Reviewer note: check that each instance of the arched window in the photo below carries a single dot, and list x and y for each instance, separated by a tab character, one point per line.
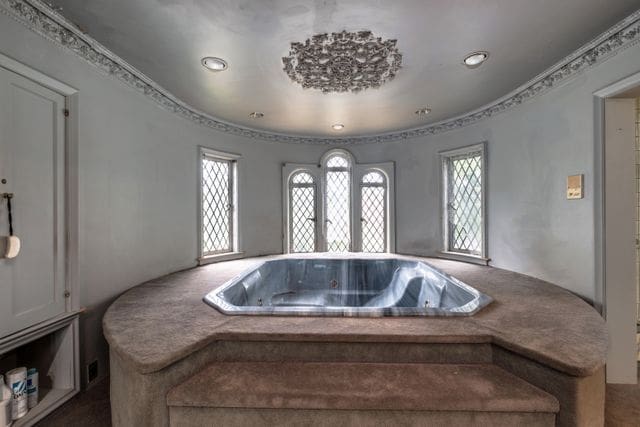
337	197
302	213
373	219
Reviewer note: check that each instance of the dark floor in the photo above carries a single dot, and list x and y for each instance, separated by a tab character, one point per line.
92	408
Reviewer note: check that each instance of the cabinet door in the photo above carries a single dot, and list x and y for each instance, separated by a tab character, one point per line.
32	153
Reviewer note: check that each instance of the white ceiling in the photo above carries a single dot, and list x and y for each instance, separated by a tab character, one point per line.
166	40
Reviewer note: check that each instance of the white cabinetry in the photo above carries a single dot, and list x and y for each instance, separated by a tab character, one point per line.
38	307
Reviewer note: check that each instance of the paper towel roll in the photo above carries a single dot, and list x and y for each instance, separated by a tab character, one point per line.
17	380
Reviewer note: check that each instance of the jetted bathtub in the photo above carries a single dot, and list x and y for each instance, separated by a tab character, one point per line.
346	287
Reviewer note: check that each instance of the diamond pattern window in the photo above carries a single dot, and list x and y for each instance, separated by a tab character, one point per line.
373	196
217	205
464	200
302	215
338	203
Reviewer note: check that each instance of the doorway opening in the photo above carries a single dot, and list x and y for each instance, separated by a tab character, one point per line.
617	195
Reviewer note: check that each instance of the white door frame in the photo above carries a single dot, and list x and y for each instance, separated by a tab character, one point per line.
71	171
606	267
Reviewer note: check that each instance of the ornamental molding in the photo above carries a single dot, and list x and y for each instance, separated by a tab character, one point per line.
343	62
41	19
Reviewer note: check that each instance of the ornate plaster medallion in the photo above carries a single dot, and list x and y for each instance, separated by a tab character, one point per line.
343	62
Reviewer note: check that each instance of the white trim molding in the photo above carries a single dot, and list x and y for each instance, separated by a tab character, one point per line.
236	235
43	20
356	172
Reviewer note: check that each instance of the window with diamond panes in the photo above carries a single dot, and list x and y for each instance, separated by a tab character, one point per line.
338	204
302	202
464	204
373	197
217	206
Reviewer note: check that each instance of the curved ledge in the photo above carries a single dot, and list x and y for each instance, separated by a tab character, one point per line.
41	19
164	320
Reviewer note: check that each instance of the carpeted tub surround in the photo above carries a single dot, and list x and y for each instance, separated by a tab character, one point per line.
161	333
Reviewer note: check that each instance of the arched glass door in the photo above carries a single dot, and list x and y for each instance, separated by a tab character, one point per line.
373	215
337	202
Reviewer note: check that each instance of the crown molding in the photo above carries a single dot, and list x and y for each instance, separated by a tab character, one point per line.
41	19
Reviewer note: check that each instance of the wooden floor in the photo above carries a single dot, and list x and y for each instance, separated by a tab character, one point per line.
91	408
623	404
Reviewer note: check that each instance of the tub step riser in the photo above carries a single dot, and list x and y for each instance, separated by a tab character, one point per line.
366	352
198	417
310	393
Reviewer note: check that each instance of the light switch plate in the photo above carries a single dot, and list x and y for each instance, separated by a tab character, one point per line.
575	184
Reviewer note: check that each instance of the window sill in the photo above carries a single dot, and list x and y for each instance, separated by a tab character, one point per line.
457	256
227	256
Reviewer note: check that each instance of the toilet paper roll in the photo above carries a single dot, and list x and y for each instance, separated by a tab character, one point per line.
6	417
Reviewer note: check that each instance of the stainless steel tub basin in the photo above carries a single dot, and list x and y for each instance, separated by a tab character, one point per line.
346	286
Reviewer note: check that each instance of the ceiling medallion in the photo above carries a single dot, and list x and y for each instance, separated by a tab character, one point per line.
343	62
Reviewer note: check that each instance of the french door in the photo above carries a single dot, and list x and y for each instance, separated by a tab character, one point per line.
338	206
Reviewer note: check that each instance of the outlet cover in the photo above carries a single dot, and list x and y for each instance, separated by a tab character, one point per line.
575	185
92	371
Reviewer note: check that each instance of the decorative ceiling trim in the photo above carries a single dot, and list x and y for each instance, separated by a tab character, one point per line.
41	19
343	62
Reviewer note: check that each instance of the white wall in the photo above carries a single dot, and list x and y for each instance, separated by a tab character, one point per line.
137	181
532	148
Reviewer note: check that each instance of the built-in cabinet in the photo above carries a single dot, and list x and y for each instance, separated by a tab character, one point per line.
38	317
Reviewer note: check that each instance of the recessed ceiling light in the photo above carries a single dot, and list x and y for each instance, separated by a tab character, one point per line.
475	59
214	64
337	126
423	111
256	115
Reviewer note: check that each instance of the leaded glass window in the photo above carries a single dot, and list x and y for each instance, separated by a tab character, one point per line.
373	198
464	204
217	205
302	205
338	203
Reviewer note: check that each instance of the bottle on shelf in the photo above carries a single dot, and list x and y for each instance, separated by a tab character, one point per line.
32	387
6	417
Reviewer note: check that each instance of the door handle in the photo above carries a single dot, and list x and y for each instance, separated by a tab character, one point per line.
311	219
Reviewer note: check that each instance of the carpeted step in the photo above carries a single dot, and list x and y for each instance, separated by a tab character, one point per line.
305	393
